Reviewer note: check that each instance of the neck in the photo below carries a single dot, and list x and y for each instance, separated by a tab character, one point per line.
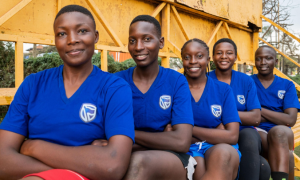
223	75
266	77
148	72
197	82
71	73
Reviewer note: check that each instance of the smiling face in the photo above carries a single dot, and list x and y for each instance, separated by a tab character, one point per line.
75	38
195	59
224	56
144	43
265	60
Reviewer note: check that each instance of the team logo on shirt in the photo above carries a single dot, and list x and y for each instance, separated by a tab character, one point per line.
241	99
216	110
281	94
88	112
165	101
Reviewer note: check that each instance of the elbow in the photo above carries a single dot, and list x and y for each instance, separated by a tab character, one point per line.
291	122
234	139
183	145
115	170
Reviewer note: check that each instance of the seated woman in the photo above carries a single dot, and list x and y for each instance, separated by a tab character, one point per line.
63	110
253	166
280	105
216	119
159	98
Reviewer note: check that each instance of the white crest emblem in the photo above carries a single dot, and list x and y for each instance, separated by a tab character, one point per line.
165	101
241	99
281	94
216	110
88	112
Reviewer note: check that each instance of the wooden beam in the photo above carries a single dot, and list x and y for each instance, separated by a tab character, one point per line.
104	23
104	60
19	64
279	27
173	48
111	48
213	34
158	9
58	3
280	52
179	21
230	37
297	161
281	74
166	22
7	95
13	10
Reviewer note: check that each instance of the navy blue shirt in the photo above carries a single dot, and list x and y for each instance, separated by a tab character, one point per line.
167	101
280	95
244	91
215	106
99	109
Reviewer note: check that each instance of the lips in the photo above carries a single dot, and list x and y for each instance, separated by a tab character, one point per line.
75	52
141	57
264	68
193	69
223	62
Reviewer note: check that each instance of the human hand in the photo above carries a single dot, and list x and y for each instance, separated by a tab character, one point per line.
220	126
100	142
168	128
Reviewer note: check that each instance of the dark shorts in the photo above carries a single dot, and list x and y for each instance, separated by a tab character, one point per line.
59	174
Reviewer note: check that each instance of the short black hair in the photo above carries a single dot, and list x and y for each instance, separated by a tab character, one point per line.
266	46
198	41
149	19
228	41
75	8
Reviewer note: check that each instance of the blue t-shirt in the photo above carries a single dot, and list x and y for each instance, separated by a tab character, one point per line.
280	95
244	91
99	109
215	106
167	101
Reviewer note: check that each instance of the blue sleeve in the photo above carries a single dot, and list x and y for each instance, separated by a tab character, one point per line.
290	98
16	119
181	107
119	111
229	112
252	101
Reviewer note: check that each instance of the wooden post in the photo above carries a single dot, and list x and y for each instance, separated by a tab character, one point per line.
19	64
104	60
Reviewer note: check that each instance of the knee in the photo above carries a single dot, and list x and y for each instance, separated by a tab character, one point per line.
138	163
279	134
224	155
248	140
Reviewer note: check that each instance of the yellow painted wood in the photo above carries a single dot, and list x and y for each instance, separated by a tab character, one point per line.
58	2
13	11
104	23
234	67
19	64
297	161
214	33
166	22
7	95
165	62
179	21
279	27
104	60
280	52
158	9
173	48
230	37
111	48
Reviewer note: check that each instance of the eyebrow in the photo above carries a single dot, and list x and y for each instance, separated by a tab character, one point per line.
78	25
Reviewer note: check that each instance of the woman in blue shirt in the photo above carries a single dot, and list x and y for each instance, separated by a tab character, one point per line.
159	98
280	105
253	166
216	119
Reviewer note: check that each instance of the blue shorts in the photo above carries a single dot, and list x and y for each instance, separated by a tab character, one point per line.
199	149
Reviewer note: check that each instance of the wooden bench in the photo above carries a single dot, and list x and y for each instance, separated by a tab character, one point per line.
296	130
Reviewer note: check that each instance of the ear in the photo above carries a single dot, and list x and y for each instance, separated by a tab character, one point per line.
161	42
276	62
96	36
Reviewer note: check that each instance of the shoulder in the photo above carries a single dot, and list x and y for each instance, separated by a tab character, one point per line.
282	82
109	80
219	85
43	76
172	76
126	74
242	77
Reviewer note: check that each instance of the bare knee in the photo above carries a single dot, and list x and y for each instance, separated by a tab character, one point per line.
223	155
138	165
279	135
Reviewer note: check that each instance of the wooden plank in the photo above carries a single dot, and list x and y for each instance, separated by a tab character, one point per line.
179	21
104	23
58	3
165	25
279	27
173	48
104	60
213	34
111	48
13	10
158	9
280	52
297	161
7	95
19	64
230	37
280	74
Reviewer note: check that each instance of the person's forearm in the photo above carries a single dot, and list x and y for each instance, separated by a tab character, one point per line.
171	140
278	118
137	147
215	136
14	165
249	118
94	162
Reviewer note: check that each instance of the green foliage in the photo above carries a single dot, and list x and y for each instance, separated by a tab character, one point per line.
7	65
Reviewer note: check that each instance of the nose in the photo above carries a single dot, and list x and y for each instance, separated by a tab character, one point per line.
139	45
73	38
224	55
193	60
263	61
